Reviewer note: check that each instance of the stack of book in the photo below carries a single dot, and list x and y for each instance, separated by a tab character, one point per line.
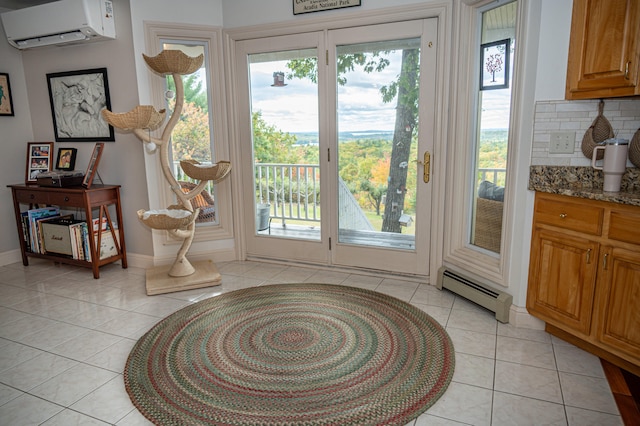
47	232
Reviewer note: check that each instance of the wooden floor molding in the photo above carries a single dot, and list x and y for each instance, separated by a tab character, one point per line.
626	391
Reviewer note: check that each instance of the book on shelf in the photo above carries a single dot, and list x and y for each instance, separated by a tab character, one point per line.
33	216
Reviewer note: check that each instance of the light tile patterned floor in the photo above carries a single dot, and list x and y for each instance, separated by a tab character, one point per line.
65	337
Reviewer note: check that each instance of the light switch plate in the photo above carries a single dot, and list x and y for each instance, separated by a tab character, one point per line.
562	143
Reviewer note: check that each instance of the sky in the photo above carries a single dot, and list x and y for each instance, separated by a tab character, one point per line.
294	108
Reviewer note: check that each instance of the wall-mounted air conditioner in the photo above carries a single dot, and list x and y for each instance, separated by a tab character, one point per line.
60	22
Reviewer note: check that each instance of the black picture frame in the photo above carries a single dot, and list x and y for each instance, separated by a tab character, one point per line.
92	168
39	160
66	159
6	100
494	65
77	99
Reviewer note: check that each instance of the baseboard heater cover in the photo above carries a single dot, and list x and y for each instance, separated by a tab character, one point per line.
469	287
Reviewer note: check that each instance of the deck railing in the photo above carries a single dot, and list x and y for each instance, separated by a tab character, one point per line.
293	190
496	175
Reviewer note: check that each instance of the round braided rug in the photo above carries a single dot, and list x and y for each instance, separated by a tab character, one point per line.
291	354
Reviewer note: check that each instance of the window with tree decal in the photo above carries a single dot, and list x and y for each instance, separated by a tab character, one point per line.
494	68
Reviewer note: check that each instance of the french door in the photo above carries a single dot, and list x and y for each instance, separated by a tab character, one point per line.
337	132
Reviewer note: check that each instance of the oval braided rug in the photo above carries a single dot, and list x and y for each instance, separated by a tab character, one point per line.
291	354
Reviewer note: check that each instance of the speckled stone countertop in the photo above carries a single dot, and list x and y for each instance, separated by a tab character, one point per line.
584	182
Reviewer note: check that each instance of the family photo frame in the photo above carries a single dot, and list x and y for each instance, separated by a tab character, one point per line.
66	159
77	99
494	65
39	160
6	100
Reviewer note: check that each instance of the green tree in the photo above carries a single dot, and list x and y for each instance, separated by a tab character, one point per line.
190	138
271	145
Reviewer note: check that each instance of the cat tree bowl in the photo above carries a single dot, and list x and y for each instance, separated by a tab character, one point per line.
174	62
141	117
175	217
209	172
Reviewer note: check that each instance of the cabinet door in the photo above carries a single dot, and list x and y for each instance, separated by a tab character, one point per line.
562	275
604	49
618	307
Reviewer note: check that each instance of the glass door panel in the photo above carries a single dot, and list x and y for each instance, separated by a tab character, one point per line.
277	89
377	137
385	107
284	115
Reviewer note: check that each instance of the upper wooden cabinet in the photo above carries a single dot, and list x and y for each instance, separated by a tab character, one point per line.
604	50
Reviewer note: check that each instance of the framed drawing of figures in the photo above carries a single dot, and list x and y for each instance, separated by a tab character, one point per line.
39	160
6	101
77	99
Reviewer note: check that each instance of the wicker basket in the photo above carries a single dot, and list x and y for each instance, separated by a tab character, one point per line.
488	226
141	117
162	220
599	131
213	172
634	149
174	62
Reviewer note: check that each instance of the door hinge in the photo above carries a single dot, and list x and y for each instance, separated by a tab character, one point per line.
329	155
326	54
329	243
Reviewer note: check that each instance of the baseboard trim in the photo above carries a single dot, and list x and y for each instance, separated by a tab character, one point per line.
520	317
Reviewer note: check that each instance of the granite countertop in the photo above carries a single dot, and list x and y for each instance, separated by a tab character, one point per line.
584	182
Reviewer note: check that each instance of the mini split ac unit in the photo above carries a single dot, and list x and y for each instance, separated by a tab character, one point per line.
61	22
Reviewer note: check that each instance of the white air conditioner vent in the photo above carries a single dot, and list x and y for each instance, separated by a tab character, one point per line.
61	22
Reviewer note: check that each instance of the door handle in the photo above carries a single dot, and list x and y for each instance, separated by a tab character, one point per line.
426	167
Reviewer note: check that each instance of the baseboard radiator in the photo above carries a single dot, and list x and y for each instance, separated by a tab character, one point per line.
471	288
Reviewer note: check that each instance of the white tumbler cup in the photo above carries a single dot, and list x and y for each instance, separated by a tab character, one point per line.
614	163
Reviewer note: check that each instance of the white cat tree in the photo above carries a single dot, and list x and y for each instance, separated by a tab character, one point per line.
178	220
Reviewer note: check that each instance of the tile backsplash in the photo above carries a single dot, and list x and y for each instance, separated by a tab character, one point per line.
551	116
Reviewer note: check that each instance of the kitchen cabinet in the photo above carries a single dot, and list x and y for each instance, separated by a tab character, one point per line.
604	49
584	275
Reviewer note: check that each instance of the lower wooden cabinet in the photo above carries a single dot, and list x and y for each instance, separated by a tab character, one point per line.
584	275
617	315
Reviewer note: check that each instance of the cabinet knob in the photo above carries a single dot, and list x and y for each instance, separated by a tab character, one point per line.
66	198
563	215
32	196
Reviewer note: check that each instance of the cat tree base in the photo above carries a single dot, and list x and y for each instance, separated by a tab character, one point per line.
160	282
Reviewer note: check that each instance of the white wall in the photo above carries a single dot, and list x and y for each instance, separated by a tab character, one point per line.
122	161
15	132
241	13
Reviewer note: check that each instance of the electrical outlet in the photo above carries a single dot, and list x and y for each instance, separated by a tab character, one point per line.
562	142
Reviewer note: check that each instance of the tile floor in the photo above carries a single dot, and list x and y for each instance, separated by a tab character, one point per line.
65	337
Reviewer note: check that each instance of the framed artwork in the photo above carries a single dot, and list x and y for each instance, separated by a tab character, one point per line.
66	158
6	100
39	160
494	65
77	99
92	168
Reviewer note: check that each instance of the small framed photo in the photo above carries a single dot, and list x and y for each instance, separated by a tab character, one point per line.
6	100
77	99
494	65
39	160
66	159
92	169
